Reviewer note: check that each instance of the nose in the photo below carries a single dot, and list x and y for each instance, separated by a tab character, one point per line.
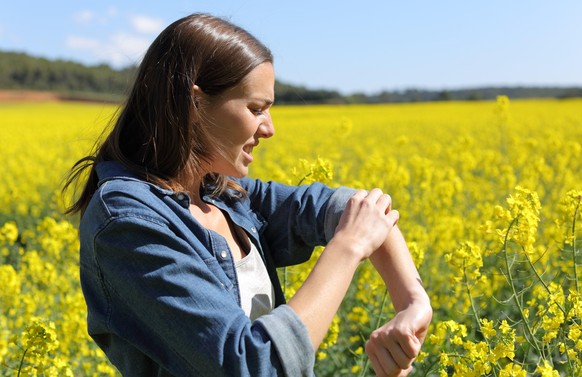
266	128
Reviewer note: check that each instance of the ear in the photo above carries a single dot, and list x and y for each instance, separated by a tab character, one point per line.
197	94
196	90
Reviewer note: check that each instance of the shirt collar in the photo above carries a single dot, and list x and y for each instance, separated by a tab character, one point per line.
108	170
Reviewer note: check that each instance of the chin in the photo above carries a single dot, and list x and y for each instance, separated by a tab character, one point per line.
239	173
232	170
243	174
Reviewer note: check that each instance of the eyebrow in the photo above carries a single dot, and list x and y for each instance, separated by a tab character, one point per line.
267	101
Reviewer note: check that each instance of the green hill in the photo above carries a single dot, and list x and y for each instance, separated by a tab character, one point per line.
71	80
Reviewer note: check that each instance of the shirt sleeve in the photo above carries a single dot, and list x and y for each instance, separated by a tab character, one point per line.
298	218
148	292
335	209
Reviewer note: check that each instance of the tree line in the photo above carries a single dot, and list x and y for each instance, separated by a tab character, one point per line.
20	71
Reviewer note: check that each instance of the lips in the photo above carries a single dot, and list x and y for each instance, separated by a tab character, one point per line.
248	150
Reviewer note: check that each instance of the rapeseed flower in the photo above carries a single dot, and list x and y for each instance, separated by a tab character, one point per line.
546	370
449	168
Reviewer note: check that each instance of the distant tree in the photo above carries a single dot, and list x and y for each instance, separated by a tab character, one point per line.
20	71
71	79
474	96
444	95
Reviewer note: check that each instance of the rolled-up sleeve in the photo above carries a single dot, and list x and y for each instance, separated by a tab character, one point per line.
298	217
291	340
335	208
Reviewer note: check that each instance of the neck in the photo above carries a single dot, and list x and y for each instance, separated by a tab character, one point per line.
191	184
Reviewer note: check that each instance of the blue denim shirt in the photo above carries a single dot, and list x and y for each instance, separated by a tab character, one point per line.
162	292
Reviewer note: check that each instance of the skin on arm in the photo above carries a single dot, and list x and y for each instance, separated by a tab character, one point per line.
363	227
393	347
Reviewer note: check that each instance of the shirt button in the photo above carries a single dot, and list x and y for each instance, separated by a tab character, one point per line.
254	230
223	254
181	196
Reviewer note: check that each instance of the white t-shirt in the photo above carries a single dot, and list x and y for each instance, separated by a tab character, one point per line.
256	291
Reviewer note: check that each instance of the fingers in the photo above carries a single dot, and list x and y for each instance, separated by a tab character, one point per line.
392	354
384	365
366	221
393	216
385	201
360	194
374	197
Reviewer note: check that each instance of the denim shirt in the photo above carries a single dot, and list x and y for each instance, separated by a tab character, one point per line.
162	292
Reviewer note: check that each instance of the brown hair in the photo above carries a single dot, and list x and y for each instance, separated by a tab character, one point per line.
158	134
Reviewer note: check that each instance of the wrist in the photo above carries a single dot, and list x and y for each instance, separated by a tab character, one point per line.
416	298
344	248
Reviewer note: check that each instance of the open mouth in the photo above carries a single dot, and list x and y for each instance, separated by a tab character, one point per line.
248	149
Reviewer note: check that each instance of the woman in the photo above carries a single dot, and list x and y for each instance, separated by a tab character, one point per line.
179	250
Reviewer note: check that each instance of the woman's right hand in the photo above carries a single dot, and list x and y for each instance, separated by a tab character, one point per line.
364	226
366	221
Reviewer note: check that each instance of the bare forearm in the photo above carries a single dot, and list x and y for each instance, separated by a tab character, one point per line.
320	296
364	225
393	262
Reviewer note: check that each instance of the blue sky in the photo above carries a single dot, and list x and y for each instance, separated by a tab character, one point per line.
350	46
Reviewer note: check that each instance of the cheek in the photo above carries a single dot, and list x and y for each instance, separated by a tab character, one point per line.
244	128
234	127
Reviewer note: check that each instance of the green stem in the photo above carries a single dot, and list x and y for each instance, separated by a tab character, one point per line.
285	281
429	369
474	310
531	338
574	245
304	178
21	362
384	299
334	358
531	265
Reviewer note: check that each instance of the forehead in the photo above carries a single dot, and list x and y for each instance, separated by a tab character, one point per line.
260	82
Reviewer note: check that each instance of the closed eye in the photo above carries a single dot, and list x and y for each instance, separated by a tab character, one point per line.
260	107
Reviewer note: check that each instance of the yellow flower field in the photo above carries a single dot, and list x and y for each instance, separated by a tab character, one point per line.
490	200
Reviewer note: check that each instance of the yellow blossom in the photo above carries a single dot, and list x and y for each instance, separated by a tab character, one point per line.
512	370
546	370
487	328
464	175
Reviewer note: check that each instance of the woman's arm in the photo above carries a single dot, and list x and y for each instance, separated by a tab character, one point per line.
364	225
393	347
298	218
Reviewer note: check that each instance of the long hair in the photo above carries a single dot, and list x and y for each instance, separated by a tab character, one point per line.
159	134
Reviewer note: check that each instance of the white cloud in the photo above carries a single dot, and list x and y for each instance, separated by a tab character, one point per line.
126	48
84	16
146	25
80	43
119	50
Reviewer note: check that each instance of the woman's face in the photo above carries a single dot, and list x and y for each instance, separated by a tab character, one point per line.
238	118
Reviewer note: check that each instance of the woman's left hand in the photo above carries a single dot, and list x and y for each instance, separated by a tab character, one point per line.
393	347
